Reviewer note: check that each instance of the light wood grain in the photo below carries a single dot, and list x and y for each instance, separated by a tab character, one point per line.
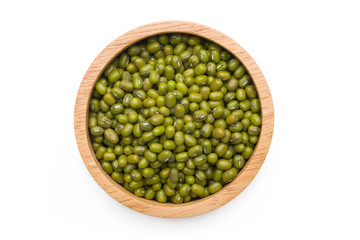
168	209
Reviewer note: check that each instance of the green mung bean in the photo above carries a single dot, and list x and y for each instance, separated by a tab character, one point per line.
174	118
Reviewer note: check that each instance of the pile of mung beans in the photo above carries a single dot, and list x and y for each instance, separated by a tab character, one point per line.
174	118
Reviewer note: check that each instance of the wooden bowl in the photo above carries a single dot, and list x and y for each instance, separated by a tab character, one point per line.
151	207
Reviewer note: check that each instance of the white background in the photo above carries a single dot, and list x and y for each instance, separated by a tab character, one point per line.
308	187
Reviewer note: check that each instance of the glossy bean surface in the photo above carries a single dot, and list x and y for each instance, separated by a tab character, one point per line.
174	118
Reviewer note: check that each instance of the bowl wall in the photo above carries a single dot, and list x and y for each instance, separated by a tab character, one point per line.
150	207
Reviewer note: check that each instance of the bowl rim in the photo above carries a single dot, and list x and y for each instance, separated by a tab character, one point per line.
150	207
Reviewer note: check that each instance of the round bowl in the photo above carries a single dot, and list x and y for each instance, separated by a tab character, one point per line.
151	207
